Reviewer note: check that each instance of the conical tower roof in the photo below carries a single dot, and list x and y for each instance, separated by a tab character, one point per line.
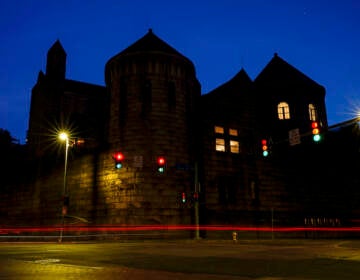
57	46
150	43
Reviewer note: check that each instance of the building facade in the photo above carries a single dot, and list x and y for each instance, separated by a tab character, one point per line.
151	107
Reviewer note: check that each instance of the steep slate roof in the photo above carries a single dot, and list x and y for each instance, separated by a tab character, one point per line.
149	43
278	71
240	81
228	99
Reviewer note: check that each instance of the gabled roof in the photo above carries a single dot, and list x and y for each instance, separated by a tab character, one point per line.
278	71
240	81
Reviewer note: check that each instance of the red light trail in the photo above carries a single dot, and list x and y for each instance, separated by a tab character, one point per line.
133	228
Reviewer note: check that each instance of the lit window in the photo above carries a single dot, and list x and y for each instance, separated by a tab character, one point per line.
219	129
220	145
312	112
283	111
234	146
233	132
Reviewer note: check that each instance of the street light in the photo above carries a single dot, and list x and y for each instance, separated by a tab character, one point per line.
63	136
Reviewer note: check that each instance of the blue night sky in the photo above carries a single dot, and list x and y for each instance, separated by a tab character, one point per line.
320	38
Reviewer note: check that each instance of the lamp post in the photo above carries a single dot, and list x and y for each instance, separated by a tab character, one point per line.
63	136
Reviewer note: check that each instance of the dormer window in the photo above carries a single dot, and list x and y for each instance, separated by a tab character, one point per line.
312	112
283	111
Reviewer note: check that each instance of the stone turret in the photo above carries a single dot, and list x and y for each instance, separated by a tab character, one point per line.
153	94
153	91
56	62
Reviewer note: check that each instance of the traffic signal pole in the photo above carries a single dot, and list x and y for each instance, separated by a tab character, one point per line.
196	203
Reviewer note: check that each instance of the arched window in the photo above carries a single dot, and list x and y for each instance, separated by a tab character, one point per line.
283	111
312	112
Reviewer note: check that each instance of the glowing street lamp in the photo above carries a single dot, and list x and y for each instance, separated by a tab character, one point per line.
63	136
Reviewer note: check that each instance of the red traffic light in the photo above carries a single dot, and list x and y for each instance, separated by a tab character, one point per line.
161	160
314	125
161	164
315	131
118	156
264	147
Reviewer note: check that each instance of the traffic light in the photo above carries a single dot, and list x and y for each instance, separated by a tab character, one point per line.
265	147
161	162
315	130
118	158
183	197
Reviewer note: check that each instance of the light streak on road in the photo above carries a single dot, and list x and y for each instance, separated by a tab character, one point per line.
149	228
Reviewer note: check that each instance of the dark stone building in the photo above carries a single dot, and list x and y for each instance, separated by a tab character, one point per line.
151	107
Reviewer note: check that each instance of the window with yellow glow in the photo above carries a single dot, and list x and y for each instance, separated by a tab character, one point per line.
220	145
312	112
234	146
283	111
233	132
219	129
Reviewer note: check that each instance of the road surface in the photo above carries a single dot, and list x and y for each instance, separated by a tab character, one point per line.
180	260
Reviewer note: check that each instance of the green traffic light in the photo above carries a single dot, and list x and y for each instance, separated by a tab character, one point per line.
317	137
265	153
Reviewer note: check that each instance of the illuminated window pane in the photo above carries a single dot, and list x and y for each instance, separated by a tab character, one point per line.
312	112
233	132
283	111
220	145
234	146
219	129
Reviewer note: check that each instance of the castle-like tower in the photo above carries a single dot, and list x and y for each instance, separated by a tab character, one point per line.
45	100
153	93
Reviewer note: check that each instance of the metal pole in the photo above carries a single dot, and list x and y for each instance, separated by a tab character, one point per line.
196	203
65	167
64	189
272	223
